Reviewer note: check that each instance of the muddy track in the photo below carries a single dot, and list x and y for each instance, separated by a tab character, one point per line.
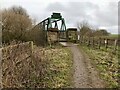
85	75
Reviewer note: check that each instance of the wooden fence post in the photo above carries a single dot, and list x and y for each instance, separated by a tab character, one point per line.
88	44
93	42
83	39
31	47
106	42
80	39
99	44
115	44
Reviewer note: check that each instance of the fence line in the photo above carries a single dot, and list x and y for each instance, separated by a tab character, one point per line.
100	42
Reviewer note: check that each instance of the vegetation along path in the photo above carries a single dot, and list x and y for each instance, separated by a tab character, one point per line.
85	75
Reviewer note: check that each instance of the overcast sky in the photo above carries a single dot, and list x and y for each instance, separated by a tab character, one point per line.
98	13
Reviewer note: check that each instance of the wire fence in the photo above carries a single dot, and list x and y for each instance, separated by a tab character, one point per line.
97	42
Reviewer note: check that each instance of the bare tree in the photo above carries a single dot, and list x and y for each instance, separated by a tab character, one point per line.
16	22
85	29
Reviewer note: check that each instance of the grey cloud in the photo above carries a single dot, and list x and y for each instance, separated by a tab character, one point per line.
95	14
108	16
55	6
81	8
73	11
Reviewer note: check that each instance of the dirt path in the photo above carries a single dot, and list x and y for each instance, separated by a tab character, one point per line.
85	76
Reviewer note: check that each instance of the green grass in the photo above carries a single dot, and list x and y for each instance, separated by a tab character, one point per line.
59	68
106	62
112	36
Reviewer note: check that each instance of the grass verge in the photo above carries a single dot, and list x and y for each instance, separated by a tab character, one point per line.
106	62
59	68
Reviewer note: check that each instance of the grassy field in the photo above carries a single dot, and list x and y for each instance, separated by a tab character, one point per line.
112	36
106	62
59	68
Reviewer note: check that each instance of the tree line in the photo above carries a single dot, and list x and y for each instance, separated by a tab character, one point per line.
17	25
86	30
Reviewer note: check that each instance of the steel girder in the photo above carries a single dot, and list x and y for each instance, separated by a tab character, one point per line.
48	23
55	17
